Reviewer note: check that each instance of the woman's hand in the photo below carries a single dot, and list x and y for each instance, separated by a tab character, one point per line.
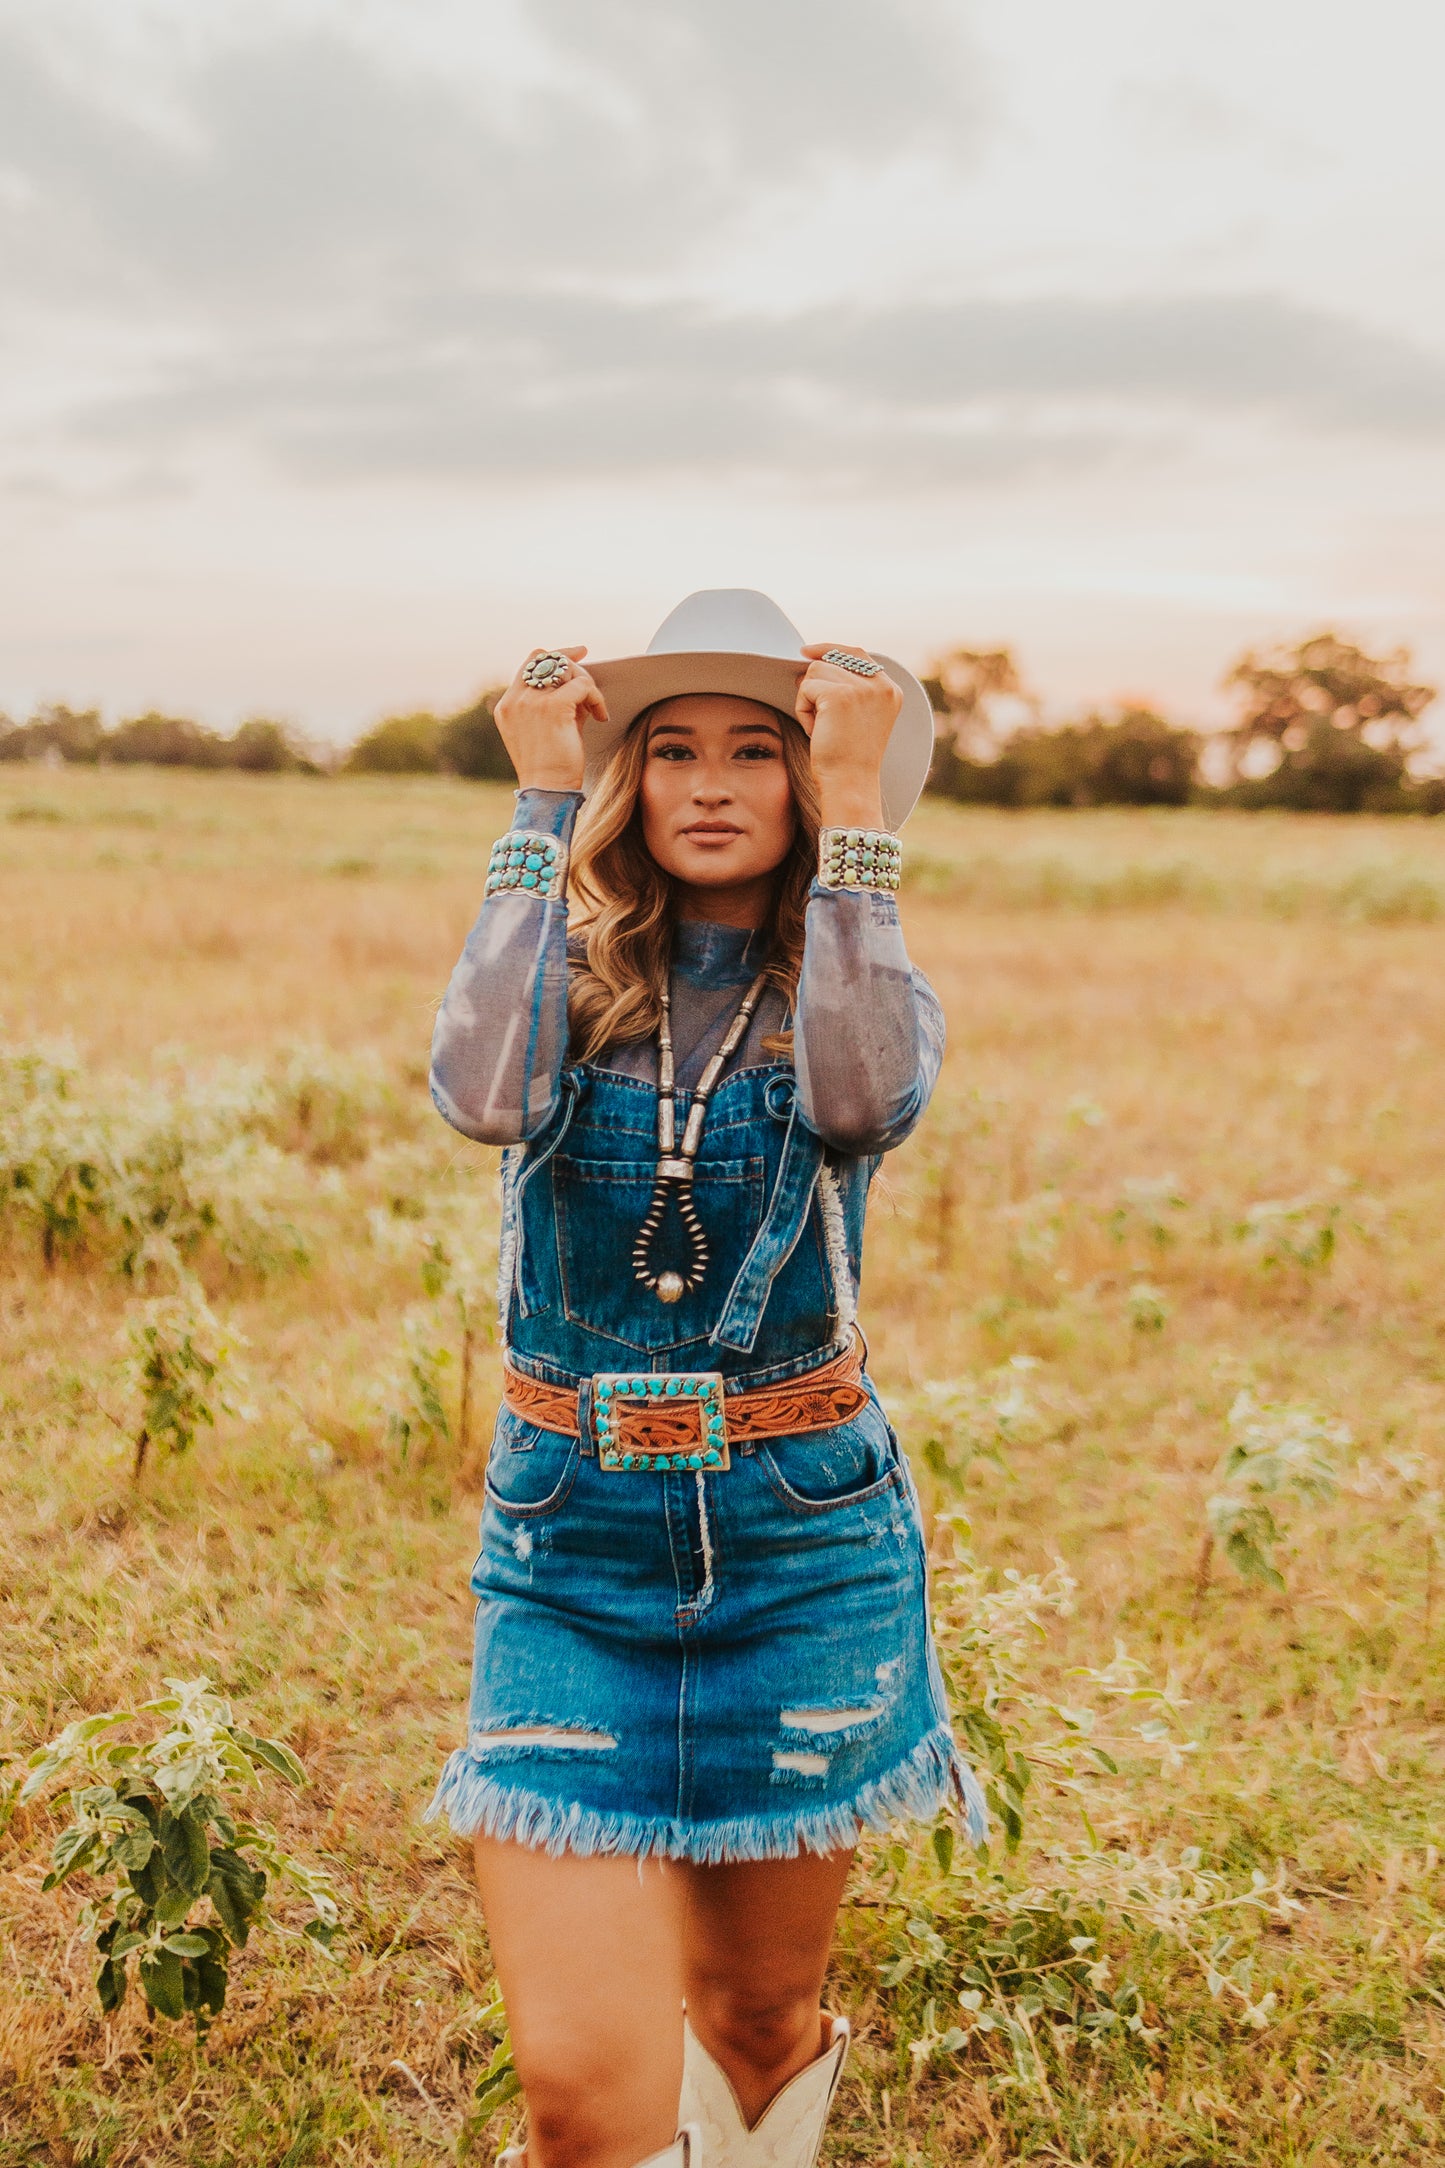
849	720
541	726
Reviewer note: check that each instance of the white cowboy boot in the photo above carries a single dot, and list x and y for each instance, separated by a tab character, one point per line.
684	2152
789	2131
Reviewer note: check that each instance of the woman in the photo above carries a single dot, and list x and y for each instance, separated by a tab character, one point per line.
702	1657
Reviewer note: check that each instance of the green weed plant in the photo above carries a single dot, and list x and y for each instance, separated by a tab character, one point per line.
180	1875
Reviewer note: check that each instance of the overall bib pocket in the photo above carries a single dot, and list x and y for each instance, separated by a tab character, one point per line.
599	1206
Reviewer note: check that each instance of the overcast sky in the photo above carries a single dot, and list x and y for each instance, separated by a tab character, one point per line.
351	347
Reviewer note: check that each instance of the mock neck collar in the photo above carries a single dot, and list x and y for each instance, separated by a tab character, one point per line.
708	953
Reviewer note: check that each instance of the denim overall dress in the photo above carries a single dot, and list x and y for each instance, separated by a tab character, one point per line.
705	1664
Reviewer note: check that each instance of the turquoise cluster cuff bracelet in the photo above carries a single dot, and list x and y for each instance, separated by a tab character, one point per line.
859	858
535	864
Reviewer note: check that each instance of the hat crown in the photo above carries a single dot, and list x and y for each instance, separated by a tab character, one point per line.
727	621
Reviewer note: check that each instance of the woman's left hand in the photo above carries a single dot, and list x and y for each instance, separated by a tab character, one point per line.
849	720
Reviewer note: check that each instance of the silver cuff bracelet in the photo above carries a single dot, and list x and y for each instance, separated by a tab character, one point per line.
535	864
859	858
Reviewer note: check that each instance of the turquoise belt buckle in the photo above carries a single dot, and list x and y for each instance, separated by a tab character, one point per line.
659	1421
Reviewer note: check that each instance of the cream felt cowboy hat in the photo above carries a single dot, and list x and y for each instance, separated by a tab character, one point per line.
734	640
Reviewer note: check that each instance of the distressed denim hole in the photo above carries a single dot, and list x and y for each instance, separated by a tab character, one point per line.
803	1765
594	1742
819	1721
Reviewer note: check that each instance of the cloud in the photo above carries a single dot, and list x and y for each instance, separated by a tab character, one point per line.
303	168
519	383
359	269
781	84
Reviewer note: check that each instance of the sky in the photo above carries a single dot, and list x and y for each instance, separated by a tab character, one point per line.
350	348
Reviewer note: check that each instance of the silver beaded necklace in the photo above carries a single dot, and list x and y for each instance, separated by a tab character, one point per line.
675	1160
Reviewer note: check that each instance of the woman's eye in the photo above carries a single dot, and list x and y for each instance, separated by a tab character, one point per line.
672	752
757	752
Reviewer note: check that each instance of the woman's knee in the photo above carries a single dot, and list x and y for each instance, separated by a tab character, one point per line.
567	2128
763	2028
591	2100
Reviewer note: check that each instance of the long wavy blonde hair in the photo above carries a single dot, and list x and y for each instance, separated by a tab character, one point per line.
627	904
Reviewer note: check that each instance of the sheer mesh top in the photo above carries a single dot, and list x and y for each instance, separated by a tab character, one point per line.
868	1029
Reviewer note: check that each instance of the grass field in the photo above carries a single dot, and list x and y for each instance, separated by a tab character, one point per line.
1187	1147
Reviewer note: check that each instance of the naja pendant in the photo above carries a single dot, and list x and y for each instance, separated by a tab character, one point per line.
674	1179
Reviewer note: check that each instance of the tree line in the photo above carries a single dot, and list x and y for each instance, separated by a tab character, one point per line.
1321	727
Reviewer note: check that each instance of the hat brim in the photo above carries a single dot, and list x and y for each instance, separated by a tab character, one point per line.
634	682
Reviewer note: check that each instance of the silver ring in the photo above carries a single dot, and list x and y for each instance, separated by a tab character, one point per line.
546	670
860	665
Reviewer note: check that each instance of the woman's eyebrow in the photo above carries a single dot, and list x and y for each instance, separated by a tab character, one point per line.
735	730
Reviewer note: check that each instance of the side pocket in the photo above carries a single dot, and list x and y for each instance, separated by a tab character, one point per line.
829	1469
530	1471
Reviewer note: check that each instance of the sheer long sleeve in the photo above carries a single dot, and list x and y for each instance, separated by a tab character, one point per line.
869	1031
501	1031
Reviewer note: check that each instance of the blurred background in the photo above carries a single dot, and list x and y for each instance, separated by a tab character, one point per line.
351	347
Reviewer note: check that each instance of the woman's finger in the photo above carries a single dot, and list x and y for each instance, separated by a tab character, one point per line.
573	654
817	649
584	689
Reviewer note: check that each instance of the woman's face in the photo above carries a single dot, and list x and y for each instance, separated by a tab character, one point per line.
717	806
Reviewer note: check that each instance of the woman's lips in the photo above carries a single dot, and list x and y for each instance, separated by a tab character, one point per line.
711	834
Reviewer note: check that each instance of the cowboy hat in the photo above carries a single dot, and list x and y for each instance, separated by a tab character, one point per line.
734	640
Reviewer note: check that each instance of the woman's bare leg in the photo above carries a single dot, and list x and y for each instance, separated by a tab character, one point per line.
589	1956
756	1942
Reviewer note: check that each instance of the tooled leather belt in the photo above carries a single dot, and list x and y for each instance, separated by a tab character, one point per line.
653	1421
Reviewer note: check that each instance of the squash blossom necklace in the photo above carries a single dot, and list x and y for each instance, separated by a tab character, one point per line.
675	1160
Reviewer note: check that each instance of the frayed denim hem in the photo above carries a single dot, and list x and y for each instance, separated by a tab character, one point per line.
934	1775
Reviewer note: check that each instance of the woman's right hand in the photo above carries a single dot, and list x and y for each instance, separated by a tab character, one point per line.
541	726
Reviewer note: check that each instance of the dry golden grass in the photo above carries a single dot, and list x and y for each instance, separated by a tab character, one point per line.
1254	1009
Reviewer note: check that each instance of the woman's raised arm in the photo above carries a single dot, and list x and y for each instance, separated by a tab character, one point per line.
501	1031
869	1033
868	1037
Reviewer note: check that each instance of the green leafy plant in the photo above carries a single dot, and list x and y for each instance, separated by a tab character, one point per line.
179	1354
180	1878
985	1631
499	2085
952	1422
1287	1231
1017	1953
192	1169
53	1155
1148	1310
152	1174
322	1103
1035	1225
1408	1484
412	1393
1149	1205
466	1271
1277	1456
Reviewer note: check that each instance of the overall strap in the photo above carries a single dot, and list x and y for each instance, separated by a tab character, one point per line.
569	1089
517	1172
776	1239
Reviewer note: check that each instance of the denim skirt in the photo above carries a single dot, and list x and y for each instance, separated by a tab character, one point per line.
708	1665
